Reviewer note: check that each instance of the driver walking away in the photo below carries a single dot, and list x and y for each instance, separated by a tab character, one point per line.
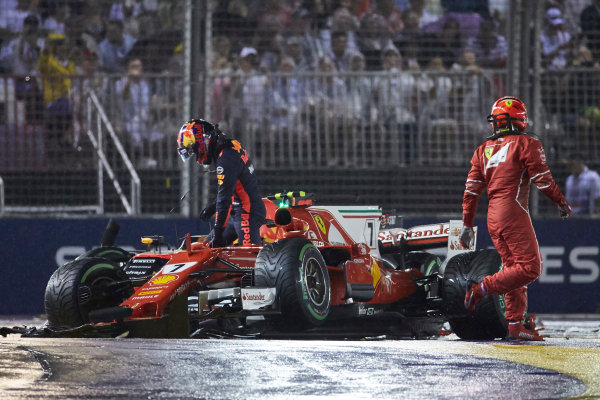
507	163
239	208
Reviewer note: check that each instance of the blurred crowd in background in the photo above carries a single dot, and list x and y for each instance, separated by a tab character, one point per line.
54	52
440	34
423	72
348	72
42	41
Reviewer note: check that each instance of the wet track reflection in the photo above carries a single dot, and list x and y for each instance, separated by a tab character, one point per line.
281	369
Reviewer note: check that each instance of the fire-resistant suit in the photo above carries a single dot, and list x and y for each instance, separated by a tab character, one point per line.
507	165
238	198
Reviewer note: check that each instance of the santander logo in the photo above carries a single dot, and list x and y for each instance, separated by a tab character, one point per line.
251	297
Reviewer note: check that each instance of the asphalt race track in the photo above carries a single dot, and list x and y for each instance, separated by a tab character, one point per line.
566	365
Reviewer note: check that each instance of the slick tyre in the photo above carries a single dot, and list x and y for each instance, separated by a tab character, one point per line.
79	287
487	321
427	263
297	270
115	254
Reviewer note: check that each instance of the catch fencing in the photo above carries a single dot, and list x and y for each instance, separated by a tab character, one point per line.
385	119
54	164
352	120
400	137
387	124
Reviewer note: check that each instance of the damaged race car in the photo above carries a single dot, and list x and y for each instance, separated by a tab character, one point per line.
327	271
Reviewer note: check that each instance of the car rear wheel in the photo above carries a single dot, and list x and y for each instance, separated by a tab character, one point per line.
487	321
81	286
297	270
427	263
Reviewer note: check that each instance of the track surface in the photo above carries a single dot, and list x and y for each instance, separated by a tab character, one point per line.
566	365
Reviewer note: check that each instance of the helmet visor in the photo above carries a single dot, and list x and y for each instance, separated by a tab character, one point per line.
185	153
500	121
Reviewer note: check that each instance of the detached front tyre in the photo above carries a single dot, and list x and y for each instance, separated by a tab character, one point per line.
297	270
487	321
81	286
115	254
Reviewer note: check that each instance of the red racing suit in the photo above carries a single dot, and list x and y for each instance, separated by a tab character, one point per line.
507	166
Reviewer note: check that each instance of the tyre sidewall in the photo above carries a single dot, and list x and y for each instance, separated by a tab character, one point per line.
115	254
316	312
426	263
487	321
283	265
68	298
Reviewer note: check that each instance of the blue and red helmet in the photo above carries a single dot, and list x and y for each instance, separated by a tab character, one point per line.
194	139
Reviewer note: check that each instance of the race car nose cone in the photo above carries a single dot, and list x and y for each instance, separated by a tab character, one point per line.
110	314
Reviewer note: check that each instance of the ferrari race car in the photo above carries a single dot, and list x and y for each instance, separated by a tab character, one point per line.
324	270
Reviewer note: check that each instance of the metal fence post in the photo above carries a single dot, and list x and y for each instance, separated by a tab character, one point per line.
536	90
187	96
209	6
516	29
1	197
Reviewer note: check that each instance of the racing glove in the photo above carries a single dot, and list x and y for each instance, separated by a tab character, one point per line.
218	241
565	210
467	236
208	212
475	293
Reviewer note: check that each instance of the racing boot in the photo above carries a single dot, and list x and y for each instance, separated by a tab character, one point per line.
529	323
474	294
517	331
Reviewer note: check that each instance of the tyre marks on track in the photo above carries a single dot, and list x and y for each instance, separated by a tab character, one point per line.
18	368
41	358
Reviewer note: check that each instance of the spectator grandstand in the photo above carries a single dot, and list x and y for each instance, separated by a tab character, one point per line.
360	101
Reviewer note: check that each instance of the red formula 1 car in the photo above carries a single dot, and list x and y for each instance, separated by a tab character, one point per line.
324	270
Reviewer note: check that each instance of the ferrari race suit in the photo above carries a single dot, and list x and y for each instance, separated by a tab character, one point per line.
238	198
507	165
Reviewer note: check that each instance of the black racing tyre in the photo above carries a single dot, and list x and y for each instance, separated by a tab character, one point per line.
487	321
75	289
425	262
297	270
115	254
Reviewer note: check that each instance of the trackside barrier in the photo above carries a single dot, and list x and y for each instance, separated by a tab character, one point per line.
33	248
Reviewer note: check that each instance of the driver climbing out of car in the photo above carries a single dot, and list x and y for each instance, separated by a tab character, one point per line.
239	210
507	163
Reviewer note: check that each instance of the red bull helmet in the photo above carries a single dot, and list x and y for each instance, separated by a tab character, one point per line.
194	139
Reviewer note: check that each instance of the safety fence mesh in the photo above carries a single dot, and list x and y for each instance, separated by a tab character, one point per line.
379	103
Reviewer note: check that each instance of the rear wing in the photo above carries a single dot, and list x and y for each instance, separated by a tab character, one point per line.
425	237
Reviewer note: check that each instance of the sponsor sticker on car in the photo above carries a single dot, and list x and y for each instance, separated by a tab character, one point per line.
163	279
256	298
